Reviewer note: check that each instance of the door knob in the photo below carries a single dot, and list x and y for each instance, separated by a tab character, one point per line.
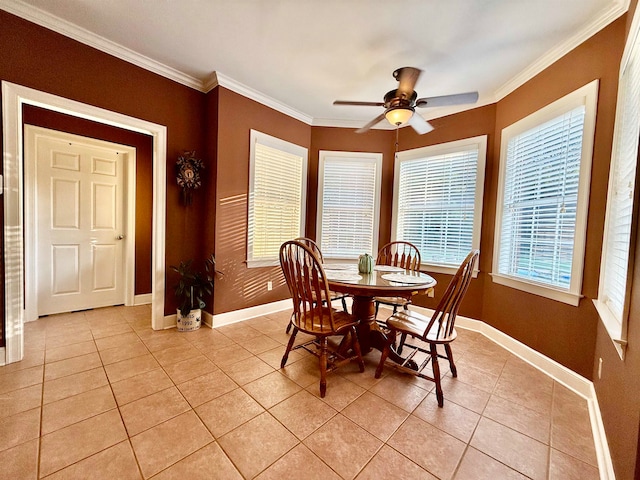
120	237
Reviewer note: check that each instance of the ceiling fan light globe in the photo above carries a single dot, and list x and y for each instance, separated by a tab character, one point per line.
399	115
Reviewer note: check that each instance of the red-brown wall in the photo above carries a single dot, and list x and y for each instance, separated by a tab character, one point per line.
346	140
243	287
44	60
618	390
143	144
471	123
218	124
562	332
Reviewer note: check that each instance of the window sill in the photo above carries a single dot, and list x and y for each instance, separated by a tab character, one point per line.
537	289
449	270
262	263
613	327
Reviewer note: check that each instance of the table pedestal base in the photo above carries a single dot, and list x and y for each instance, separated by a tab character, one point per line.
370	335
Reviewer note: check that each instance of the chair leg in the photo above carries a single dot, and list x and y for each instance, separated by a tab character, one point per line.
289	346
436	374
356	348
452	365
385	352
323	366
344	304
403	338
290	324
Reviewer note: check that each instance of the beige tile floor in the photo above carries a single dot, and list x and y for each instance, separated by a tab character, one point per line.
101	395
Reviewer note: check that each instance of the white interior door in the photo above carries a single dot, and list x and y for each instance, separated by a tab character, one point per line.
80	223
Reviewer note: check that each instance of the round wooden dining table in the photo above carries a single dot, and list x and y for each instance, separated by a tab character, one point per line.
383	281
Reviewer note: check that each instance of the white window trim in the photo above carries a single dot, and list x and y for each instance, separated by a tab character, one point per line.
617	327
443	149
283	145
587	96
364	156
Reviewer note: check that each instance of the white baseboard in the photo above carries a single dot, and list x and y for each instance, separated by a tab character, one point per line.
228	318
553	369
207	319
143	299
169	321
605	464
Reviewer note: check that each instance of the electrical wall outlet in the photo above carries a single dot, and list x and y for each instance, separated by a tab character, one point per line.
269	285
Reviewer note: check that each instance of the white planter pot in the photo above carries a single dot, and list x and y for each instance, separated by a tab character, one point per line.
189	322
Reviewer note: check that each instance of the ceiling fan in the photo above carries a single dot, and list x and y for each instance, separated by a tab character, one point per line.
400	103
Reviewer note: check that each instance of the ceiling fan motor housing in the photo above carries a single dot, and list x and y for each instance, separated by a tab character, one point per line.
395	98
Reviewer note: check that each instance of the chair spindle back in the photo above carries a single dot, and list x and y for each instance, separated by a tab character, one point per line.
308	287
447	309
312	245
399	254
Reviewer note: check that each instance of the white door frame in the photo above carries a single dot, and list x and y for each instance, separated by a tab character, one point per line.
13	98
31	134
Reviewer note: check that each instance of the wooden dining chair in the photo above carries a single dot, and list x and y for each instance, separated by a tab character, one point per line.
313	313
397	254
334	295
431	332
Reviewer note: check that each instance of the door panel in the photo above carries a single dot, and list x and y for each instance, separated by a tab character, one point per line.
104	204
65	204
104	267
65	269
80	221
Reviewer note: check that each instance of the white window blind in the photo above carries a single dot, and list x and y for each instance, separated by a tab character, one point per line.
438	200
540	201
543	195
614	270
277	197
620	207
348	203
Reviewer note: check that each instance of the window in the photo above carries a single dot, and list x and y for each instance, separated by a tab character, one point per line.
348	203
543	195
277	197
615	285
437	202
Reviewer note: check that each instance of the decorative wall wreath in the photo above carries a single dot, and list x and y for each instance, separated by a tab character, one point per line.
188	174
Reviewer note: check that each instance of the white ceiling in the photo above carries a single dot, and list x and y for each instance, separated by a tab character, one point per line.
298	56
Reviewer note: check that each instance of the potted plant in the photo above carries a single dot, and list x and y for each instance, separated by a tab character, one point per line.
191	290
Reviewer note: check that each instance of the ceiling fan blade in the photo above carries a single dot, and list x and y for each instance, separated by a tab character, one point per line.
359	104
408	77
447	100
419	124
373	122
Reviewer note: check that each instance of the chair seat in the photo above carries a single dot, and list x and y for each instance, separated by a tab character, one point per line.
437	331
332	294
414	324
301	263
341	320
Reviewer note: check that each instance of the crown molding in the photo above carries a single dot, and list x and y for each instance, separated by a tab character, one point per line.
68	29
342	123
219	79
616	10
52	22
